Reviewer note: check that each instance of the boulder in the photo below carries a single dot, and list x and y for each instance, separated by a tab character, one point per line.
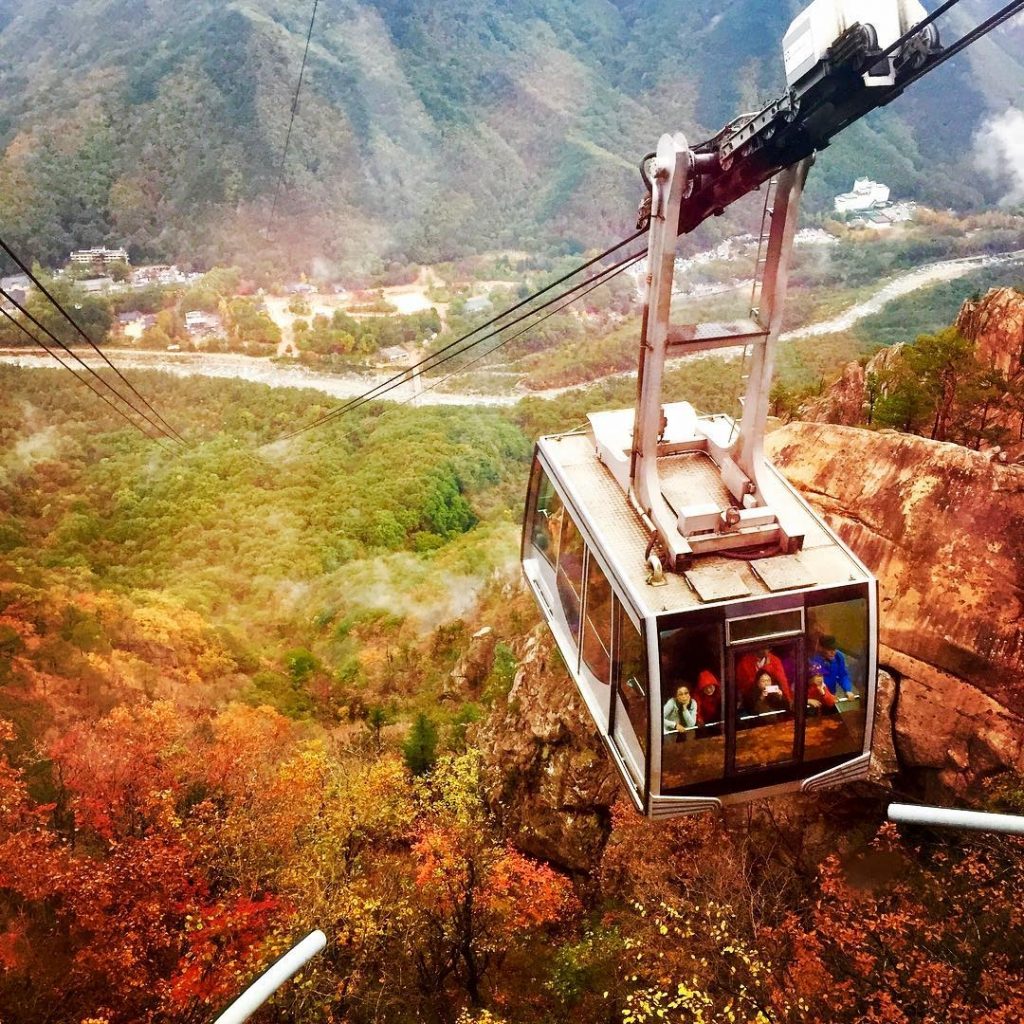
474	665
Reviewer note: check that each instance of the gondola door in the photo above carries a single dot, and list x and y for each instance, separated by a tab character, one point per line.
766	674
631	696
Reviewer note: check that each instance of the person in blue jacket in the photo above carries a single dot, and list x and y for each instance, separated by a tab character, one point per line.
830	663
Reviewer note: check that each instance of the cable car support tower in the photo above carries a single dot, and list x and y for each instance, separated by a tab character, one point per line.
680	533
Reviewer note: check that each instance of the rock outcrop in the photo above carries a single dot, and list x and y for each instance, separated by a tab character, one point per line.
943	528
546	774
473	666
995	323
846	401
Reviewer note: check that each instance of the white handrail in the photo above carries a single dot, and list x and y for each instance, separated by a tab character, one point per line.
272	979
952	817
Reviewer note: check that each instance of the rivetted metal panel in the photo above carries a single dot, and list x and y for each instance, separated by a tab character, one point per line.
612	520
787	572
692	479
716	582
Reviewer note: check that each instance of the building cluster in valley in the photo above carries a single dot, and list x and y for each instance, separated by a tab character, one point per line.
867	205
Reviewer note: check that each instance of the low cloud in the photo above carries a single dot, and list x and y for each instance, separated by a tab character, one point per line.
999	153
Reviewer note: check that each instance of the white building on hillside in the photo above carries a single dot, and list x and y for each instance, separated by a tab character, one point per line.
99	255
866	195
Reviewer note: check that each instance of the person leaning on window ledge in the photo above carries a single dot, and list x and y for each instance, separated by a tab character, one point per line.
680	713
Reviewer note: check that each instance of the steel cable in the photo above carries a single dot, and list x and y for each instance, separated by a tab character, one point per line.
84	380
611	272
167	430
429	363
85	366
990	23
291	122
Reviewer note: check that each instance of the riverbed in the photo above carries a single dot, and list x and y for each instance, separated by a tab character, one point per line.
277	374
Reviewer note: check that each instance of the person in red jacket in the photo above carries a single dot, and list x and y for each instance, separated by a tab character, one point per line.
709	698
818	696
755	662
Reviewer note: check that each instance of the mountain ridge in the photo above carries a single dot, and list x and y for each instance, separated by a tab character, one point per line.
423	132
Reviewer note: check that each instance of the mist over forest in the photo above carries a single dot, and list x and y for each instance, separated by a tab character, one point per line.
269	659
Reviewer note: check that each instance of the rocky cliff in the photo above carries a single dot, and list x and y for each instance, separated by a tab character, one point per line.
943	528
995	323
846	400
546	773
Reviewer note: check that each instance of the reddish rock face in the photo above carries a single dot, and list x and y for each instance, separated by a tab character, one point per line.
546	774
995	323
845	402
943	529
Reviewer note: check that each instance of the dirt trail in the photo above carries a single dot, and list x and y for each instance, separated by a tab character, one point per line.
914	280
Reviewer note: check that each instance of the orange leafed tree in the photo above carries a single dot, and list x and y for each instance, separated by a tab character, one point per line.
474	894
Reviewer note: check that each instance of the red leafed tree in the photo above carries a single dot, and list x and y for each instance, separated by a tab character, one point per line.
130	913
926	933
474	896
30	860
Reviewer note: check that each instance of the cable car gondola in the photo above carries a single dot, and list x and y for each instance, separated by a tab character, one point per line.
703	609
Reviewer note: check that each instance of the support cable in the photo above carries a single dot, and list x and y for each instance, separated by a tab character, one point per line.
408	373
85	366
990	23
84	380
922	24
166	429
291	121
612	271
597	279
428	362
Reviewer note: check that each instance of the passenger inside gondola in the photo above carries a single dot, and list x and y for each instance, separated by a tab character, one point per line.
818	697
766	696
751	665
766	724
830	663
836	679
709	698
679	715
691	660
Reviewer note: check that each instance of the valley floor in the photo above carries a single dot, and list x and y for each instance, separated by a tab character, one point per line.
278	374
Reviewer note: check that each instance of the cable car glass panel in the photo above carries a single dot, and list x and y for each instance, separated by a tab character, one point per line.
631	701
768	681
569	577
764	627
693	734
837	635
597	623
547	511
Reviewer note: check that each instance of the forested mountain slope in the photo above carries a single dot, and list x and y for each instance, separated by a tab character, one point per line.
425	129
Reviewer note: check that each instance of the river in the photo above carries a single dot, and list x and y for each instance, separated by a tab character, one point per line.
263	371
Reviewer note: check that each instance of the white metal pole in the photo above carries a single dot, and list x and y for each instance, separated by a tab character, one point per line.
272	979
952	817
